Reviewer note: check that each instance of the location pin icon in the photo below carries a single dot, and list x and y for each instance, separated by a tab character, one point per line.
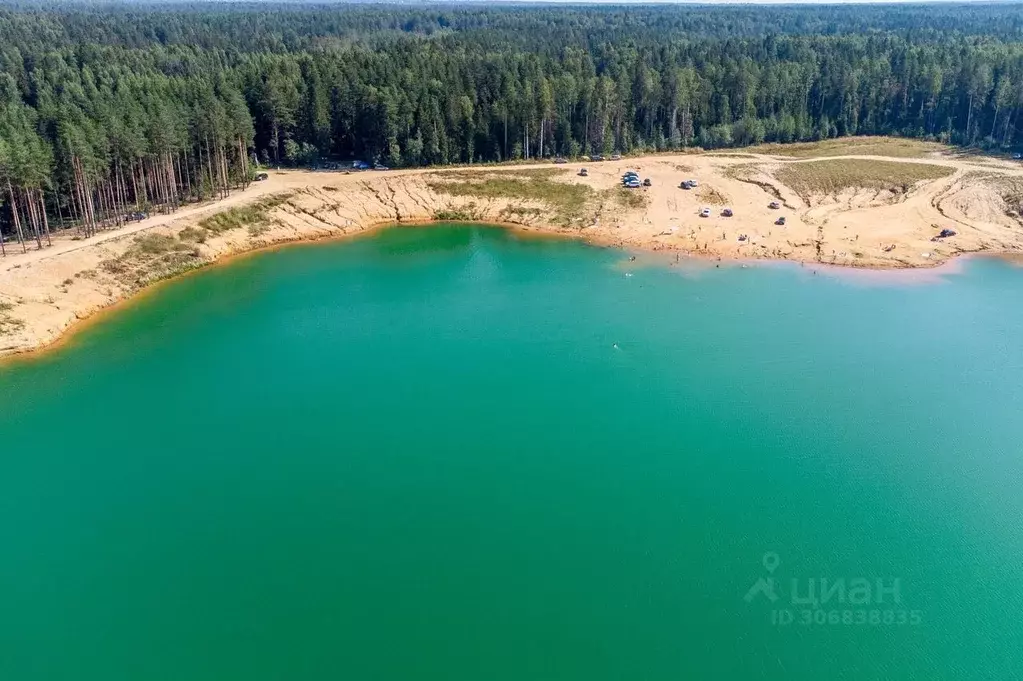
771	561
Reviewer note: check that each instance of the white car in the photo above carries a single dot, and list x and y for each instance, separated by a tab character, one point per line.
705	212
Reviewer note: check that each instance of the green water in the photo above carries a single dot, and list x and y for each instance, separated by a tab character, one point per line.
421	456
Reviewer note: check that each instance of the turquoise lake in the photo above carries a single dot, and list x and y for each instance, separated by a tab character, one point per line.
453	453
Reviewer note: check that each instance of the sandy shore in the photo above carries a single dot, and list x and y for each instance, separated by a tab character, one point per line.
44	292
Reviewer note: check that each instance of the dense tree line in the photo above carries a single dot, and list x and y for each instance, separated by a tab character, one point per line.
109	110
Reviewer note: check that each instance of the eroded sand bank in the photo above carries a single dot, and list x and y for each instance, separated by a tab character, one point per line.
886	221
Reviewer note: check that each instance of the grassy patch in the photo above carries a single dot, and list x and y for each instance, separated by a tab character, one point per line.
152	257
192	235
448	215
9	324
833	176
243	216
155	244
731	154
633	199
520	212
522	173
136	272
465	213
566	201
853	146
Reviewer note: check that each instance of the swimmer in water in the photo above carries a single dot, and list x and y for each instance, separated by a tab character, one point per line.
615	346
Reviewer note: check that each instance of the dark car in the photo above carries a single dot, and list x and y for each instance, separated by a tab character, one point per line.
561	159
261	176
780	221
646	182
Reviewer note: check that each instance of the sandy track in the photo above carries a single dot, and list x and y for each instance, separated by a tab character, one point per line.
43	292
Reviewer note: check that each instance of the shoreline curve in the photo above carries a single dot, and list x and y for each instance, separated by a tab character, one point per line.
48	296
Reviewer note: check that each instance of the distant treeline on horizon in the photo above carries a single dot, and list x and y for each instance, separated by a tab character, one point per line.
107	109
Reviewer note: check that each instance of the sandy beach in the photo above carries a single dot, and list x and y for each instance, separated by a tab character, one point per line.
854	209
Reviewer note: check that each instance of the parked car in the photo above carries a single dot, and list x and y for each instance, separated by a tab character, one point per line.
685	185
693	184
727	212
774	205
705	212
616	157
646	182
261	176
136	215
360	165
380	166
582	172
597	157
1017	156
561	159
780	221
632	184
